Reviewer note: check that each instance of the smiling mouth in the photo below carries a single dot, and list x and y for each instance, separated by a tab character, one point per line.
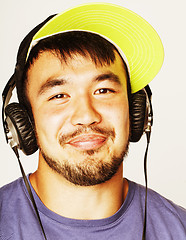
88	141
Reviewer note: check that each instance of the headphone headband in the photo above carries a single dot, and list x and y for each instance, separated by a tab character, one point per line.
21	57
16	78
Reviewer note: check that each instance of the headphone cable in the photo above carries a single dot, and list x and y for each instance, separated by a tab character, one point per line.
29	190
146	186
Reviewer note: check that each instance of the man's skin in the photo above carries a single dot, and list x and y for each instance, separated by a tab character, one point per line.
69	97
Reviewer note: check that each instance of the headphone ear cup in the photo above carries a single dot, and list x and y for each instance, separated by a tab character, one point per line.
138	115
21	122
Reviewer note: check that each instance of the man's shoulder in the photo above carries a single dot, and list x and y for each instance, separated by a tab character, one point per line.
10	188
16	212
158	201
11	192
161	210
165	219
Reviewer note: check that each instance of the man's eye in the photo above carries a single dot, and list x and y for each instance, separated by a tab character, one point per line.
59	96
104	91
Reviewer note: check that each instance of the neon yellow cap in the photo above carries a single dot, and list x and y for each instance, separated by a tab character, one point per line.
130	33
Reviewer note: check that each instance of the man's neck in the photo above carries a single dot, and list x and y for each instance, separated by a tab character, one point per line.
79	202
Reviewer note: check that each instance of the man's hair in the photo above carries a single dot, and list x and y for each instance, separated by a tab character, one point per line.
65	45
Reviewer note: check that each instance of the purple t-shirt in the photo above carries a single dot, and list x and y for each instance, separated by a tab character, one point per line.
165	220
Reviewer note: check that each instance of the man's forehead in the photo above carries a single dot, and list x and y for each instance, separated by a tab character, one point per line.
74	60
49	70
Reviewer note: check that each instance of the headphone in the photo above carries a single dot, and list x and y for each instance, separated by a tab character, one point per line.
18	127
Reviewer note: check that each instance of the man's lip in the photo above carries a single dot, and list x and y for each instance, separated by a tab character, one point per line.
88	141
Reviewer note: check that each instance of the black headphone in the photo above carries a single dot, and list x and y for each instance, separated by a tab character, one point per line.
18	127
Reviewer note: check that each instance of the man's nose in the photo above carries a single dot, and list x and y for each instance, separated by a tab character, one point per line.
85	113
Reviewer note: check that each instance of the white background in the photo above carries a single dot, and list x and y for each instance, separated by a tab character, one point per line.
167	157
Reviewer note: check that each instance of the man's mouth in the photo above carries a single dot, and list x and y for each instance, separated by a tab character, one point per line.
88	141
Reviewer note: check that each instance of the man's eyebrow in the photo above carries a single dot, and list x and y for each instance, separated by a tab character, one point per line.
50	83
108	76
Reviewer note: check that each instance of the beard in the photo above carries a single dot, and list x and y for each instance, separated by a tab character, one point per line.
92	170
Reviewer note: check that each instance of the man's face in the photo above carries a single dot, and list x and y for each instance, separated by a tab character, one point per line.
81	116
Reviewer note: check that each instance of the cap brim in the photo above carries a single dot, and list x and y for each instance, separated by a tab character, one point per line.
137	39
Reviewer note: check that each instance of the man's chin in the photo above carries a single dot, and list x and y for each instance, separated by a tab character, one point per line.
87	167
87	170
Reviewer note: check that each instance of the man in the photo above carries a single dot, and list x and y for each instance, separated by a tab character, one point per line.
76	85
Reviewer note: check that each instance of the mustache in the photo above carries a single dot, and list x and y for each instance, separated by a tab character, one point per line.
64	138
